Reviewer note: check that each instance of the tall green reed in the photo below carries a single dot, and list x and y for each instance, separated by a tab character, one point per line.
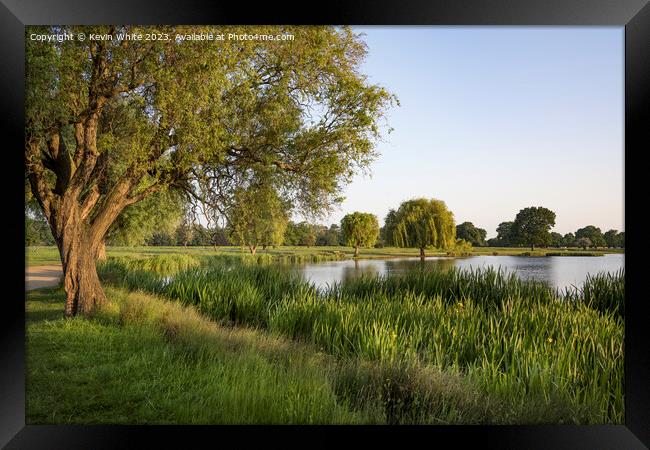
520	341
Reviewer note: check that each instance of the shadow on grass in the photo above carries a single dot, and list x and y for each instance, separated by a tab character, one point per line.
45	304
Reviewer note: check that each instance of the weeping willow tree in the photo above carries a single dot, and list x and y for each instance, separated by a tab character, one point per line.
422	223
257	217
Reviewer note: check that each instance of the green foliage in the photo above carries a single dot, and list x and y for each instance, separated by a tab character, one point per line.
532	225
468	232
569	240
301	234
388	230
593	234
422	223
329	236
583	242
461	248
614	239
505	237
37	230
257	217
183	234
555	239
360	229
160	213
604	292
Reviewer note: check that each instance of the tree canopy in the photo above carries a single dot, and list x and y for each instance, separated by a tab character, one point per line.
360	230
592	233
569	240
422	223
555	239
532	226
111	122
160	213
504	237
257	217
471	234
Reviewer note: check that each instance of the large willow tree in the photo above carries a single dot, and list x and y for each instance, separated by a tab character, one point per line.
421	223
111	122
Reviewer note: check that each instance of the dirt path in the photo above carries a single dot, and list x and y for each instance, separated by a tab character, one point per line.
37	277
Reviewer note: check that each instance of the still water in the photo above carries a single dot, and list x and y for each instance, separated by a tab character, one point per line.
557	271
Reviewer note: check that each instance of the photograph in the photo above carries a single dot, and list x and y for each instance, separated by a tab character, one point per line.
388	223
324	225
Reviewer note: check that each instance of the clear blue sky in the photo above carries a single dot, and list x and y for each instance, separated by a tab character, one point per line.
494	119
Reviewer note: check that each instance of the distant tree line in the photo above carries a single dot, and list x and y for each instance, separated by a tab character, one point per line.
586	237
531	227
418	223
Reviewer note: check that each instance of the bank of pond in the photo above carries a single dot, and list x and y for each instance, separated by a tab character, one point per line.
536	353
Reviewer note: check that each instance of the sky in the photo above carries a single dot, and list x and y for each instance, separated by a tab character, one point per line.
495	119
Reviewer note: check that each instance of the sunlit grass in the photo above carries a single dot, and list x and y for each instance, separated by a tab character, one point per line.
540	356
143	360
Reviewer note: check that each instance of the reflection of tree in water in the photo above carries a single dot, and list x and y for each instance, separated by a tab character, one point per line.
367	268
362	268
398	266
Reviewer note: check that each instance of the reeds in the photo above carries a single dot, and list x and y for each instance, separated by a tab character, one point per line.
521	342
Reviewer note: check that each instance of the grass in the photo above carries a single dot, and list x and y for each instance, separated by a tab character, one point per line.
534	355
36	256
143	360
604	292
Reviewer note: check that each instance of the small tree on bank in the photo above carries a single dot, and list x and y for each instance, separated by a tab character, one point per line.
583	242
257	217
593	234
360	230
468	232
421	223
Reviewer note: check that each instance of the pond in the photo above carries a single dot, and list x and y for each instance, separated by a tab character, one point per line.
556	271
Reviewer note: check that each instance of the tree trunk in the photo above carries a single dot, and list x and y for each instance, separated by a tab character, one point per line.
532	247
356	251
81	282
101	251
422	253
252	248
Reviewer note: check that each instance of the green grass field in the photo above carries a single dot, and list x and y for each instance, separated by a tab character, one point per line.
144	360
36	256
259	345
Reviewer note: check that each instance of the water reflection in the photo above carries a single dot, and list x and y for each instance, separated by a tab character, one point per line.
557	271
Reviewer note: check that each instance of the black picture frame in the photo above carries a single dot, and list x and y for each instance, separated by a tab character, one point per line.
634	15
